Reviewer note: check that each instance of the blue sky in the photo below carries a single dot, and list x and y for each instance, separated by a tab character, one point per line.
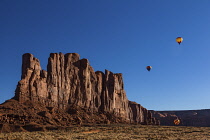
123	36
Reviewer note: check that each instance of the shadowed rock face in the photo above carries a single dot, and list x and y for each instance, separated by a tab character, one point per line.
71	82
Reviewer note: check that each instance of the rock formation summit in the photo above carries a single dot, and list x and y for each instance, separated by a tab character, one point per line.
69	92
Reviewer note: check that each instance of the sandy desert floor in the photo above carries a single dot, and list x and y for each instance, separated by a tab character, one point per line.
115	132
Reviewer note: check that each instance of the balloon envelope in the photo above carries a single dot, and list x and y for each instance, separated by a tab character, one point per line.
179	40
149	68
177	122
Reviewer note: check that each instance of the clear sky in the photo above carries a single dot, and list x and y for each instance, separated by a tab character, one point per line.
122	36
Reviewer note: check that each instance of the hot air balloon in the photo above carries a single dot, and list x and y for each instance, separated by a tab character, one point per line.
149	68
179	40
176	121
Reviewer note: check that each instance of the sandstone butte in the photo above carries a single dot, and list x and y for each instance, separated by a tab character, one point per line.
69	93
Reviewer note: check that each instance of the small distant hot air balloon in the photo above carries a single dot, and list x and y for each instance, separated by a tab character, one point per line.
149	68
176	121
179	40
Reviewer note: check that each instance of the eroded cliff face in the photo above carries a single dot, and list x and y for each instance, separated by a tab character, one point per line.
71	82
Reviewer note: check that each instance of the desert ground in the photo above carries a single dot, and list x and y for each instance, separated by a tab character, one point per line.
115	132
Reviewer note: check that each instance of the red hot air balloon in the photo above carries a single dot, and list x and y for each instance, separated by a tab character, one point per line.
149	68
176	121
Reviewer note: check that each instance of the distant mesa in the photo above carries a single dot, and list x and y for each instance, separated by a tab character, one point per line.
198	118
68	93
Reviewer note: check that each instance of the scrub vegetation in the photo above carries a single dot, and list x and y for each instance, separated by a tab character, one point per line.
115	132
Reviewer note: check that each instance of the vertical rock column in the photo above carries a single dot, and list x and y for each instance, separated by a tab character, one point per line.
114	97
62	79
32	85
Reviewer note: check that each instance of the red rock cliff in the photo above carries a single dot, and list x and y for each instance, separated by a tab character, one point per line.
70	81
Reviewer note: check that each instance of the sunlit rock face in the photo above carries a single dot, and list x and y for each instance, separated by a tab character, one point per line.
71	82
